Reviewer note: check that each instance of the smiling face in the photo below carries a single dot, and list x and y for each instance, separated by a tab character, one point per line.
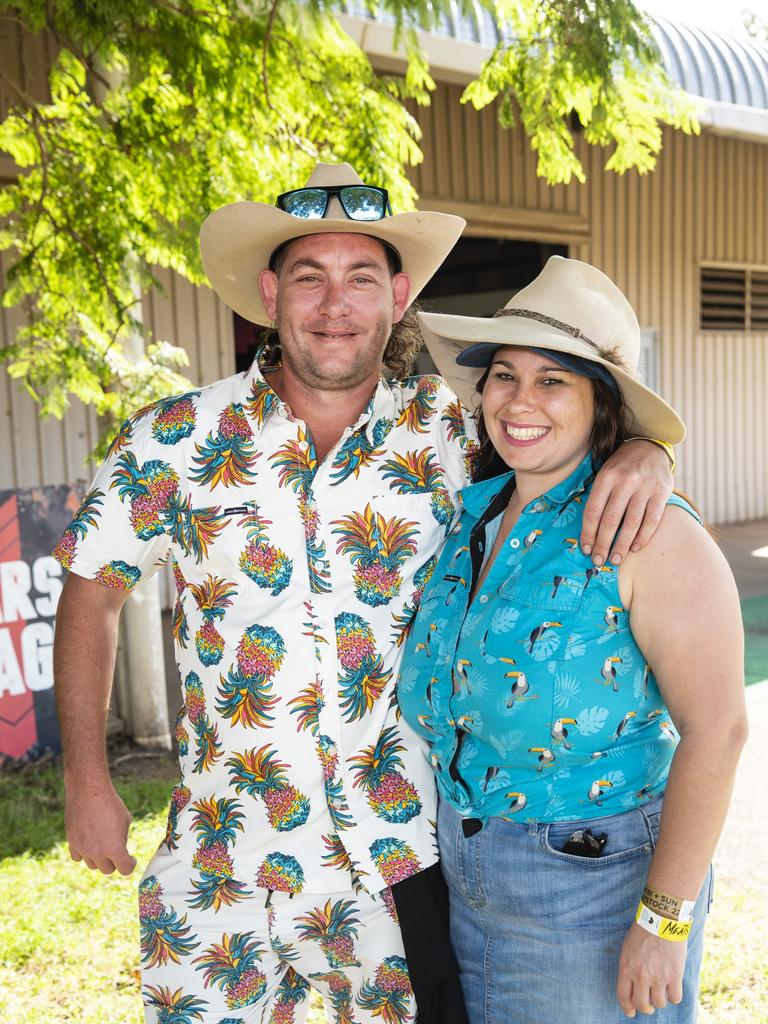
538	416
334	301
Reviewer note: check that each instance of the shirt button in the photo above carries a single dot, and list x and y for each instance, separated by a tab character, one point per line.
514	543
539	506
483	598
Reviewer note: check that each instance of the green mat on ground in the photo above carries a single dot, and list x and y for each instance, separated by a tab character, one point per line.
755	613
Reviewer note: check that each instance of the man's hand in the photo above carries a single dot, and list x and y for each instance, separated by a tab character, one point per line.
97	823
632	486
650	972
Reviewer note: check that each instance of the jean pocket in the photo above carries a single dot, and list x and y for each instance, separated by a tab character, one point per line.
628	835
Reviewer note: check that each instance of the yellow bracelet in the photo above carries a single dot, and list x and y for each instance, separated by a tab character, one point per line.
664	927
670	451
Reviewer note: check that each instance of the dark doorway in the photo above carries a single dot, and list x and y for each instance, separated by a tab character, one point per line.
247	339
480	276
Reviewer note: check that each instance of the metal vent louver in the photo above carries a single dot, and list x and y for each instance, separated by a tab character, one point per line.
758	300
723	299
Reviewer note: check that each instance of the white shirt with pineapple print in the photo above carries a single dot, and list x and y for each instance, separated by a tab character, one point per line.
296	583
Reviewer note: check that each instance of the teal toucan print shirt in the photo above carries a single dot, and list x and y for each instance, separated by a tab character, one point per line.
535	700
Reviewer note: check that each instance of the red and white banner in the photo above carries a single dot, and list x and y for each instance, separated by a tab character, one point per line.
31	522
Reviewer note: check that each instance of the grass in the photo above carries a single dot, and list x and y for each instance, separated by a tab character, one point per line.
754	611
69	938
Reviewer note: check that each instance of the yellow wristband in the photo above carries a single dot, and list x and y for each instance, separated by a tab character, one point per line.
664	927
670	451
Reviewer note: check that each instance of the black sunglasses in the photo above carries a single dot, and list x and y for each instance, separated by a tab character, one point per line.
359	202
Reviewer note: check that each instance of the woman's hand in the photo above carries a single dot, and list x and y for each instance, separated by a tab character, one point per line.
650	972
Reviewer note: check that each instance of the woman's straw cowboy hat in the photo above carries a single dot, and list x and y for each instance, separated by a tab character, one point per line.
238	240
570	307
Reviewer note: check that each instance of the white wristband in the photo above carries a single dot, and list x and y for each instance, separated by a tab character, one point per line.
664	927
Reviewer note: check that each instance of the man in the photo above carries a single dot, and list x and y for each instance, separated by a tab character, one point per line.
303	507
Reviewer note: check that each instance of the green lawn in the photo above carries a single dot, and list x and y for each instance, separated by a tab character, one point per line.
69	943
755	613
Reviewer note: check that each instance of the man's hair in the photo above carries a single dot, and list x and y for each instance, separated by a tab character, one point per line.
607	435
405	340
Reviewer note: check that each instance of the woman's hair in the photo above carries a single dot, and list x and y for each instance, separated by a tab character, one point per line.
608	432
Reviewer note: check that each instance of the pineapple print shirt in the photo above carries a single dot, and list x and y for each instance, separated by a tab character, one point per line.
536	701
296	582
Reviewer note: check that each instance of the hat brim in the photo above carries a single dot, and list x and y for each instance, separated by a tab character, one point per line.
237	241
447	336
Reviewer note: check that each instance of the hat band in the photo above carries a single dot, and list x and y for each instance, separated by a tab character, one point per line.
531	314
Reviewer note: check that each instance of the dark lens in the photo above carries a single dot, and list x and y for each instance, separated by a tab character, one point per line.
361	202
306	202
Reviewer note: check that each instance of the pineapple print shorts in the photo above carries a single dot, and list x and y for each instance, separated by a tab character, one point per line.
252	957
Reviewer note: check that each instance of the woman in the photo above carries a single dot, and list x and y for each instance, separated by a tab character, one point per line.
584	722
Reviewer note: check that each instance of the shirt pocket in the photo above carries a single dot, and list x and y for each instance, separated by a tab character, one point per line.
531	616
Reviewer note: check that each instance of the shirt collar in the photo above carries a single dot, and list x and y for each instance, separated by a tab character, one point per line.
260	402
475	498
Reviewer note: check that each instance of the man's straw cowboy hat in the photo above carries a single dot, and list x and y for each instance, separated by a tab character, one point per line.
237	241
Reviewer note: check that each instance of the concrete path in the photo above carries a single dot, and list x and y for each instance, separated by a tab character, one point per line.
743	849
742	853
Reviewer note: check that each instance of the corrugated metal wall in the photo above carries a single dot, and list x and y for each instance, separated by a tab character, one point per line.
706	201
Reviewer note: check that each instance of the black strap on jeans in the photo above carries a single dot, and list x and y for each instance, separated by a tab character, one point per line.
422	907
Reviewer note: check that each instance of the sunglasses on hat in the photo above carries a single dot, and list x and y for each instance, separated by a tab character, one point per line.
359	202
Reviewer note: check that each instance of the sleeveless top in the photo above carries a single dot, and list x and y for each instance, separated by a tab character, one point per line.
535	700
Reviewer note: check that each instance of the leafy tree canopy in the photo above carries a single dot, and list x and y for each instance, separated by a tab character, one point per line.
158	111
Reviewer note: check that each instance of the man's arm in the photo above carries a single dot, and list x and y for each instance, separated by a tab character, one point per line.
84	659
630	491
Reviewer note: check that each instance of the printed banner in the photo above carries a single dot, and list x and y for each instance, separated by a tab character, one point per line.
31	522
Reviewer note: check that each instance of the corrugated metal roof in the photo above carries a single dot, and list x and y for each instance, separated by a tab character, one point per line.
714	65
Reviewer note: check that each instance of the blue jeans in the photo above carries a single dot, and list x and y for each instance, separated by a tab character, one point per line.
538	932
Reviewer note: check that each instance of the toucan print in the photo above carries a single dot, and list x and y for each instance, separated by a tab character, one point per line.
595	570
530	540
463	722
538	633
459	676
667	731
611	617
556	581
596	790
623	724
608	671
425	645
519	687
560	734
546	757
519	801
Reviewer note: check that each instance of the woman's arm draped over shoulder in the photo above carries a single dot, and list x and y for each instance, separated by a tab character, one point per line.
686	618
